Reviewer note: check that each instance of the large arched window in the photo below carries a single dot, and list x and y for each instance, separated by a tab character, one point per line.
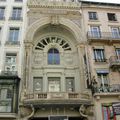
53	56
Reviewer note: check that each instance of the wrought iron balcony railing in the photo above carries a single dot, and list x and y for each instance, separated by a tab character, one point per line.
54	3
106	89
103	35
115	62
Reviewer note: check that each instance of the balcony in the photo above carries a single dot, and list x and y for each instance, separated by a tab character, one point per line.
54	3
108	90
102	36
115	62
57	98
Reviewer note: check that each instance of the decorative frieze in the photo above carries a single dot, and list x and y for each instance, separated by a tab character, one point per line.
54	4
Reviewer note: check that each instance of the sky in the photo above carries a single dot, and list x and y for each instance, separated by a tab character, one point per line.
108	1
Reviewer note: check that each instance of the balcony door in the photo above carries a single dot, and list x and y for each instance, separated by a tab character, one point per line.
95	31
118	53
53	84
115	33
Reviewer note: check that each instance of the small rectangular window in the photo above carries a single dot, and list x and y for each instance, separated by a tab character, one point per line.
99	55
2	12
93	16
13	34
112	17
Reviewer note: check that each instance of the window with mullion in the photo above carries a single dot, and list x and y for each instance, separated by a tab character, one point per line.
115	32
95	31
53	56
2	10
16	14
6	98
103	79
13	34
99	55
118	53
92	15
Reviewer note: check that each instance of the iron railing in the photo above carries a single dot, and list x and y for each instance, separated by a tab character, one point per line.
114	60
106	89
103	35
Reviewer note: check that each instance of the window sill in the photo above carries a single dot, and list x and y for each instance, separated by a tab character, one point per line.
110	21
101	62
93	20
8	115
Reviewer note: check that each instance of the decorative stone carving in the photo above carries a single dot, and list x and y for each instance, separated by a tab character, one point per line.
55	20
68	59
38	58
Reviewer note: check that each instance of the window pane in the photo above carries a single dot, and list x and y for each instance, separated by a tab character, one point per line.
13	34
53	56
99	55
54	84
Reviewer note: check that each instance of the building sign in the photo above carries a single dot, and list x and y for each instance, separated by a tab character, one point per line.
116	108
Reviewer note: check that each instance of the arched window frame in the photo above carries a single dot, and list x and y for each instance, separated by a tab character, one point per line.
53	56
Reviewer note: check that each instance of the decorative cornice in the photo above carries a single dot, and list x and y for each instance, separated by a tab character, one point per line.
53	4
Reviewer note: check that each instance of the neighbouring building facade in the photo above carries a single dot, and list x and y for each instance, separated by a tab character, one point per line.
60	60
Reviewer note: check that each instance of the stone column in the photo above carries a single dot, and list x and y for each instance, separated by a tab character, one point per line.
81	52
28	65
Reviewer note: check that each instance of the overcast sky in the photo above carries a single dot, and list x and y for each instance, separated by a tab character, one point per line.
109	1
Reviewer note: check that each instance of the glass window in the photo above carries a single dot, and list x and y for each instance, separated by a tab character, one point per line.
115	32
10	63
99	55
118	53
6	96
53	56
108	113
95	31
103	81
13	34
92	15
37	81
2	11
112	17
16	14
70	86
54	84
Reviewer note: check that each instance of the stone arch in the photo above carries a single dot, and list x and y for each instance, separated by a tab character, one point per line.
68	24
